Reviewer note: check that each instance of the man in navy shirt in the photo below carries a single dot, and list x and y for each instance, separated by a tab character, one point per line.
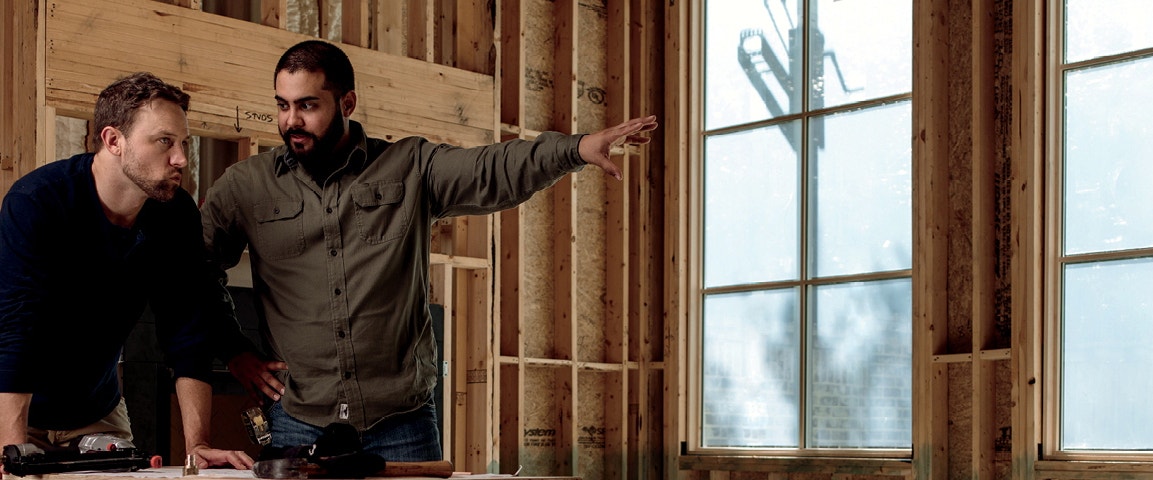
86	243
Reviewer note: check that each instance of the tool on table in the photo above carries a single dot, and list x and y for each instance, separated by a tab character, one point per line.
190	467
91	452
337	454
301	468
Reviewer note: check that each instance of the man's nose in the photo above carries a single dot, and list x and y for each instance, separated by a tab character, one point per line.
180	158
294	119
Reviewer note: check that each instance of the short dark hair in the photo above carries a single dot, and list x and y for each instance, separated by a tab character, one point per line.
319	56
117	105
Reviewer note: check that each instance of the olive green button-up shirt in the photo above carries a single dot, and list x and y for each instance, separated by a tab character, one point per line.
341	271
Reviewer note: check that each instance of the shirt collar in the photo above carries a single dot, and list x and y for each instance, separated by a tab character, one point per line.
357	158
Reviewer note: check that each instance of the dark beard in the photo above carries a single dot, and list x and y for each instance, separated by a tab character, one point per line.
161	190
320	162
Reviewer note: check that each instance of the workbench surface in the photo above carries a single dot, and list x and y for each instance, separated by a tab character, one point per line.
228	473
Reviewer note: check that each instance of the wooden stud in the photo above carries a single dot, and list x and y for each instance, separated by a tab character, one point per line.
273	13
44	135
8	18
324	20
681	60
930	245
983	236
443	22
390	27
444	275
418	45
566	237
1026	154
512	62
354	23
618	208
510	267
473	37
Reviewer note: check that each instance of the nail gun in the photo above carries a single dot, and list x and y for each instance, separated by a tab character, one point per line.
90	452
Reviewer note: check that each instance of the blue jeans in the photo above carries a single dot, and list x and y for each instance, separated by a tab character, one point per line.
408	437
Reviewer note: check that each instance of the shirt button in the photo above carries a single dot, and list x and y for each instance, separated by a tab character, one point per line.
340	334
332	252
337	291
378	196
328	210
275	210
347	375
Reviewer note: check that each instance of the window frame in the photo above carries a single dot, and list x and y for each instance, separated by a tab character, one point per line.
804	284
1055	260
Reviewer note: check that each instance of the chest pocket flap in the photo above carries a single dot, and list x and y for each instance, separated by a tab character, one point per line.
277	210
368	195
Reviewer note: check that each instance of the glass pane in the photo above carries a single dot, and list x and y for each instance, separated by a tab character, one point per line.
860	50
751	369
1094	29
1107	331
860	390
862	178
1108	151
748	68
751	207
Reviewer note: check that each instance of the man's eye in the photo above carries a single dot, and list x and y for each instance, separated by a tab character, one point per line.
282	106
166	141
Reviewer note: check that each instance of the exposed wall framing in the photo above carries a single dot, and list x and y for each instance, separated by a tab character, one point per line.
553	309
579	264
568	316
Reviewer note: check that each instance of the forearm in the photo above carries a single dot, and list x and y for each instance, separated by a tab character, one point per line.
195	398
14	418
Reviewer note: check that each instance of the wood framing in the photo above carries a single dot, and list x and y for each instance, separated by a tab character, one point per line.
228	73
1026	204
583	266
930	242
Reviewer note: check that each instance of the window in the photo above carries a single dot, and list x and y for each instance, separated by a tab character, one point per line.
805	337
1103	236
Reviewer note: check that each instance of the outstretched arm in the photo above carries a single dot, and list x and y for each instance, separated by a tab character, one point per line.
594	147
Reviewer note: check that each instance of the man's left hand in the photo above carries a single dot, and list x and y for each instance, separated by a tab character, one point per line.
212	457
595	147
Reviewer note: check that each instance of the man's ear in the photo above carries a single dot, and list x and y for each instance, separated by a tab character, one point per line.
348	103
112	139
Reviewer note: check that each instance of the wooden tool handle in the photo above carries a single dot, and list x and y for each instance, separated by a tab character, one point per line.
439	468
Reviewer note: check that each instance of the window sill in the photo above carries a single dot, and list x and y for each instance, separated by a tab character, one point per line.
821	465
1093	469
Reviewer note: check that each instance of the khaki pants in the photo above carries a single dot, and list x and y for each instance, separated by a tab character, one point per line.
115	424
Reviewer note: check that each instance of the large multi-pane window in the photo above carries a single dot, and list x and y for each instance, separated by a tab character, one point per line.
806	250
1103	240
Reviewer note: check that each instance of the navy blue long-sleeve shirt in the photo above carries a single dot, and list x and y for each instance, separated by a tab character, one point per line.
73	285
